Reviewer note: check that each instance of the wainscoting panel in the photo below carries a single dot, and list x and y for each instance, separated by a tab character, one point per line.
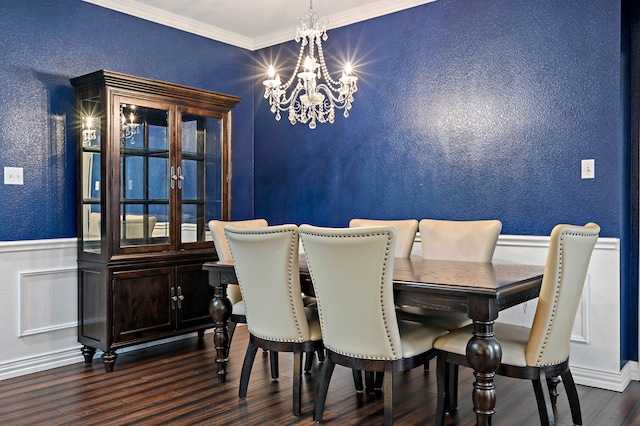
48	301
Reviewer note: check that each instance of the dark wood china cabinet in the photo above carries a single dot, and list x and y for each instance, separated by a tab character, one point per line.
153	169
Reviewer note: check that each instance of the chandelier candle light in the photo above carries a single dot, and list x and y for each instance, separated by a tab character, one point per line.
310	100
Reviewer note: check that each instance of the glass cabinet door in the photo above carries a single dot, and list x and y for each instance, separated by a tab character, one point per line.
90	189
145	160
200	175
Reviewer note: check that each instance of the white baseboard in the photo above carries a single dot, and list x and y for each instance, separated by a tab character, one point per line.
40	362
614	381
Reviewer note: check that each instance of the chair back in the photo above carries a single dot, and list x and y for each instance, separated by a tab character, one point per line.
266	264
216	227
471	241
352	274
405	232
565	272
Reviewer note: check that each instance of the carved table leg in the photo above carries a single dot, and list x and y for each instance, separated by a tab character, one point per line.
88	353
109	359
484	355
220	310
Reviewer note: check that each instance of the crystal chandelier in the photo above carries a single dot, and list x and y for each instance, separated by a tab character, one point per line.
311	101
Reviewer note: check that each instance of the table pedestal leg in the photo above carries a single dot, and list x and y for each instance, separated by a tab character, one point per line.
220	311
483	355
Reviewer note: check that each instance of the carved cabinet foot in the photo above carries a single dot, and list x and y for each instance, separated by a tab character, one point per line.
109	359
88	353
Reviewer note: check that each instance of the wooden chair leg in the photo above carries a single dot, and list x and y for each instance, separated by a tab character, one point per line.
323	387
308	363
369	379
572	395
297	381
452	391
357	381
231	330
247	364
379	380
543	399
320	355
442	387
387	389
275	369
552	384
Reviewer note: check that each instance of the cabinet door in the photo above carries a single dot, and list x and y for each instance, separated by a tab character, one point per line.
142	303
193	286
203	158
145	159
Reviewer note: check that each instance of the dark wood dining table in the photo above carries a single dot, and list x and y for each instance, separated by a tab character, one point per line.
479	289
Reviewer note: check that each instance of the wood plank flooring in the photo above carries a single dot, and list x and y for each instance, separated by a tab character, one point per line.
176	384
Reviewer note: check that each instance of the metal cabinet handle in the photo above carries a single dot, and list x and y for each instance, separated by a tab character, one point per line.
173	177
180	178
174	299
180	297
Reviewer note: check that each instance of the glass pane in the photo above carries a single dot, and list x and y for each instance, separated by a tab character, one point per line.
201	169
90	137
144	176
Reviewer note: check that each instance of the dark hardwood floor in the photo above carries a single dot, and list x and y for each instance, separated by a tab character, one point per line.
176	383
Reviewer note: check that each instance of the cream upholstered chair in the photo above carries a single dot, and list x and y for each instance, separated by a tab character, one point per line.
266	264
405	236
216	227
238	313
405	232
354	267
470	241
539	353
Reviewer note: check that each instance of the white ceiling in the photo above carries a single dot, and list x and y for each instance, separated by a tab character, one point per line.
252	24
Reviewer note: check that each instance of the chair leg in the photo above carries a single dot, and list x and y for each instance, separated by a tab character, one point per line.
357	381
369	379
231	330
308	363
247	364
379	379
452	392
275	370
572	395
320	355
442	387
323	387
387	389
552	384
297	381
543	399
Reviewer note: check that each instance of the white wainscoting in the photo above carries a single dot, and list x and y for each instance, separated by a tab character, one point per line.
38	309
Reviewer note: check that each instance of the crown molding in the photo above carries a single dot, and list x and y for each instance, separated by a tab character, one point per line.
341	19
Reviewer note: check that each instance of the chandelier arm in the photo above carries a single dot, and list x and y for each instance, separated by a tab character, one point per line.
323	64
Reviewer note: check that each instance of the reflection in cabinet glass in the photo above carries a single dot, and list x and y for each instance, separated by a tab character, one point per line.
153	169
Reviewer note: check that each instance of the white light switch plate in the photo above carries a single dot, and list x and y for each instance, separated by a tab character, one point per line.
13	176
588	169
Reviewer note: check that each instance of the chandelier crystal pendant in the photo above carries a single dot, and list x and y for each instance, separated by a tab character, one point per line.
311	101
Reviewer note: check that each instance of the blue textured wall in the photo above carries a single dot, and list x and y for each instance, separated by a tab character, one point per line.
43	44
465	110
